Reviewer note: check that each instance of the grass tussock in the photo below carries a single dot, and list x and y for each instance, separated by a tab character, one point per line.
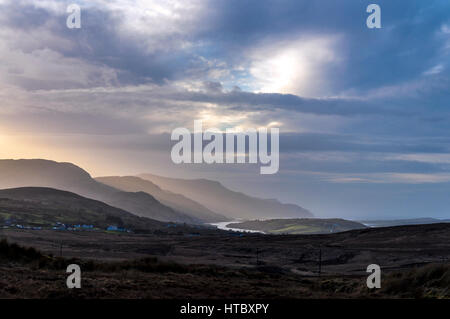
14	254
17	253
431	281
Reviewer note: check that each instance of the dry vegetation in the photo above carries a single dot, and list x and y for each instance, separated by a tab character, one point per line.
28	273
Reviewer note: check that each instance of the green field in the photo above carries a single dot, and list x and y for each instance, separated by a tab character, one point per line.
299	226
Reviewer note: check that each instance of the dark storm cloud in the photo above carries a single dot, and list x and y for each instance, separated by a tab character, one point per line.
241	101
407	44
20	15
354	143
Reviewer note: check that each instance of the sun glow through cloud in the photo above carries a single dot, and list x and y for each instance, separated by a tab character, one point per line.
294	67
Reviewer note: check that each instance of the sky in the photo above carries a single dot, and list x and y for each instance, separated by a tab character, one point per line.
364	114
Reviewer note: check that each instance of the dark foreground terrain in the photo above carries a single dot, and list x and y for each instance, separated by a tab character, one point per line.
414	261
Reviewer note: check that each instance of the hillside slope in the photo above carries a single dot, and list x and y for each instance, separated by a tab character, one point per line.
401	222
38	206
224	201
175	201
69	177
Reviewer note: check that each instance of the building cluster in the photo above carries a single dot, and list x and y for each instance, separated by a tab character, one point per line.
61	226
11	223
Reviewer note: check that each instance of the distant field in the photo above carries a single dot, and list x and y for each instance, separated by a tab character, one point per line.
400	222
299	226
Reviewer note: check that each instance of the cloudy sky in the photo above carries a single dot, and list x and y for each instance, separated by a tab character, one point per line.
364	114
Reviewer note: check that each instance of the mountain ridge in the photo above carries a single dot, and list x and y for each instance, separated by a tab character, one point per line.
70	177
173	200
44	206
232	204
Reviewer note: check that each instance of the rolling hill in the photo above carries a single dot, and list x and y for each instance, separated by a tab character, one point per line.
38	206
175	201
231	204
401	222
69	177
299	226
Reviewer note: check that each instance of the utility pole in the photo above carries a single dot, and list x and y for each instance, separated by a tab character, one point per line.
320	260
